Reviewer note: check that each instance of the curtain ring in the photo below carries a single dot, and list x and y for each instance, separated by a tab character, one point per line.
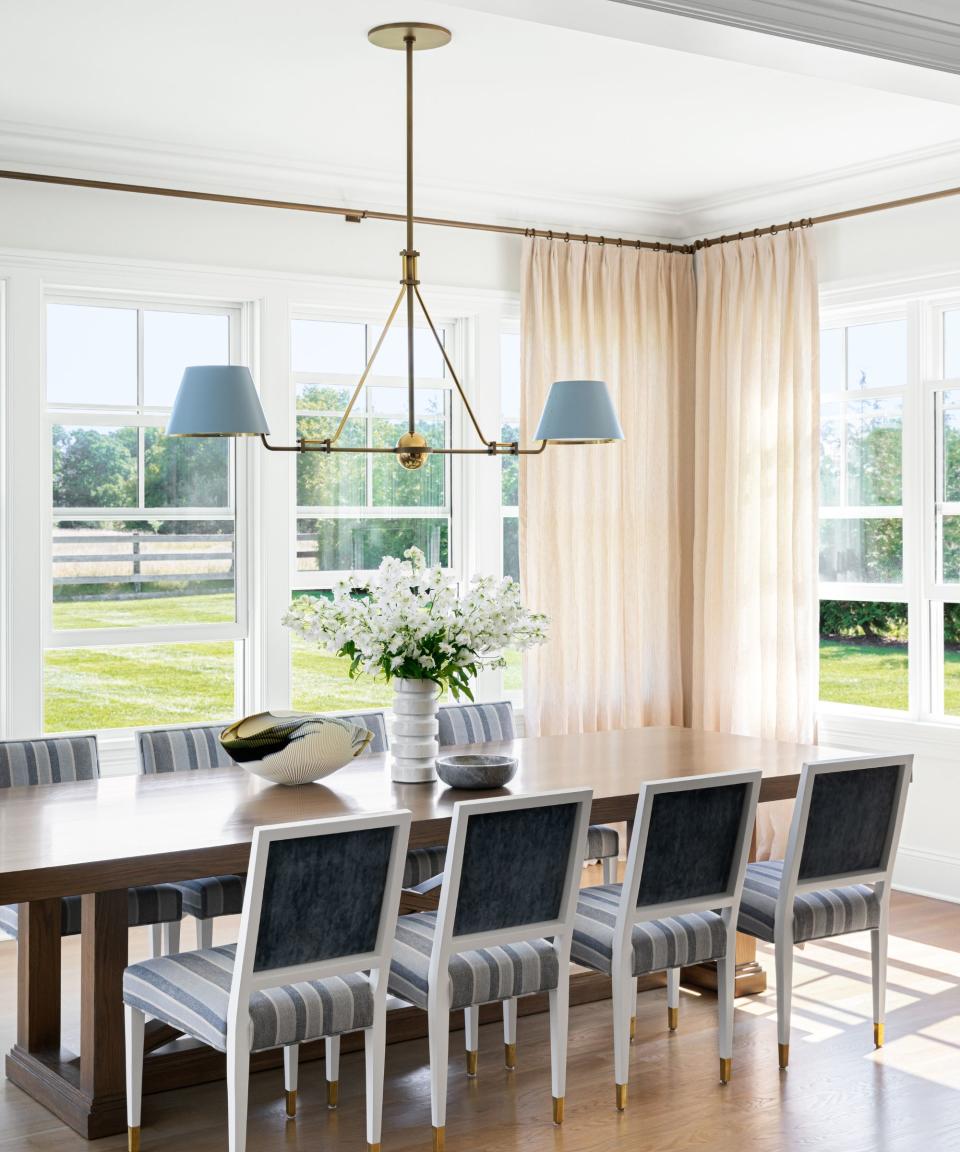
619	241
566	238
602	240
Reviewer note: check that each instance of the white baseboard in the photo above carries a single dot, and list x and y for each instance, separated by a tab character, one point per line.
928	874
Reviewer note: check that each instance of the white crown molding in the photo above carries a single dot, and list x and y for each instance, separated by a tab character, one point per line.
115	158
85	155
921	36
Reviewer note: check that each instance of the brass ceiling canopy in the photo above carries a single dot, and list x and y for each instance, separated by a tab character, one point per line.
222	401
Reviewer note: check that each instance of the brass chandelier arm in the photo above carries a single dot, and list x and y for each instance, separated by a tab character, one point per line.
494	448
450	367
366	370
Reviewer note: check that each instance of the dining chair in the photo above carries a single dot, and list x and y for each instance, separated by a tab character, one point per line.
677	904
59	760
835	875
503	928
312	960
485	723
185	748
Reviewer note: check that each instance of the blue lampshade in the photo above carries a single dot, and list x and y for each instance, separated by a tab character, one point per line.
217	400
578	410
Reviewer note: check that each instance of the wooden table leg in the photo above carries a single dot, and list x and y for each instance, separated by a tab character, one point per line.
86	1092
38	976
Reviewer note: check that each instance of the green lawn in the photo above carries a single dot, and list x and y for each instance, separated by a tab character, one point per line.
133	686
875	675
92	688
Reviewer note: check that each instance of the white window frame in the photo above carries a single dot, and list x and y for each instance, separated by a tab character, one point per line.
144	416
922	306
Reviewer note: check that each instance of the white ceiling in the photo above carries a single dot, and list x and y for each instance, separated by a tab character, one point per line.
517	119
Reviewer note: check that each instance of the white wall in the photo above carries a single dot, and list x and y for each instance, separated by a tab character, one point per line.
133	227
891	246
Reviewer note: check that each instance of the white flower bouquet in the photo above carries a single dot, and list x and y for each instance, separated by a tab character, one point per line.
410	622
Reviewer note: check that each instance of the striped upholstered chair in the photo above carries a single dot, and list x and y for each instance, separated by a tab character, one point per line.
312	959
186	748
67	758
503	928
677	904
835	876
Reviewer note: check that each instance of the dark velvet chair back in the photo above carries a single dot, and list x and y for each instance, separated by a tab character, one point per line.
323	897
847	818
53	760
509	860
692	844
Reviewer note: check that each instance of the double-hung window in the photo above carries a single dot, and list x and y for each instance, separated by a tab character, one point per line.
890	508
145	616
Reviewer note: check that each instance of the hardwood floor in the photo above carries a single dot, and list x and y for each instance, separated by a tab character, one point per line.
838	1095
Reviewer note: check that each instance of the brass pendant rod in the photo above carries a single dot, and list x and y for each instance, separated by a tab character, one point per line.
408	42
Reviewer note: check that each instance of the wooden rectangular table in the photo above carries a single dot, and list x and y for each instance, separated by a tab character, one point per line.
97	838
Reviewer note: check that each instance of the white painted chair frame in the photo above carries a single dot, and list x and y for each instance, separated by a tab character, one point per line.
246	981
727	903
790	888
446	945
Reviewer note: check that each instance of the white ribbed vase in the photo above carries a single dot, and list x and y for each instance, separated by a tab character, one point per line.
414	732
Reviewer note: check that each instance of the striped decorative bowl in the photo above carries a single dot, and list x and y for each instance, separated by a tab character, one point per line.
293	747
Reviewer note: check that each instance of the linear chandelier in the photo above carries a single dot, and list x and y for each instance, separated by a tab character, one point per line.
221	400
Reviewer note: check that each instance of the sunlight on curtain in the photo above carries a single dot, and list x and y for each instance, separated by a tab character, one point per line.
606	530
755	534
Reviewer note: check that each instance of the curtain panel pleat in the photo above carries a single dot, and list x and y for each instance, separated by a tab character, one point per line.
606	531
679	567
755	606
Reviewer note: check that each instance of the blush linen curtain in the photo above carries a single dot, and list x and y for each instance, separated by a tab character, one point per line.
606	530
679	567
755	605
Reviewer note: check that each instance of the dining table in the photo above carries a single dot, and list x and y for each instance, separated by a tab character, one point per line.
97	838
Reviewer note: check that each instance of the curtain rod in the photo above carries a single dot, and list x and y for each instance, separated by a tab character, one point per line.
356	215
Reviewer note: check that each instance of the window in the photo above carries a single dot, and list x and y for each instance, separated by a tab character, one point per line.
354	510
144	614
890	510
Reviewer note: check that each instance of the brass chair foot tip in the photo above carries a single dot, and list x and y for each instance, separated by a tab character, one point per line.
621	1097
373	1147
472	1058
726	1071
438	1139
673	1019
291	1101
558	1110
133	1139
333	1093
878	1035
510	1056
783	1052
633	1028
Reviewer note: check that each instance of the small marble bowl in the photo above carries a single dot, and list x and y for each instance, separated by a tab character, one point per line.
473	770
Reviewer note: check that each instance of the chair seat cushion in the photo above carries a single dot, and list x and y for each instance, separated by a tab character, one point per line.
191	991
212	896
602	842
657	944
816	915
476	977
150	904
423	863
